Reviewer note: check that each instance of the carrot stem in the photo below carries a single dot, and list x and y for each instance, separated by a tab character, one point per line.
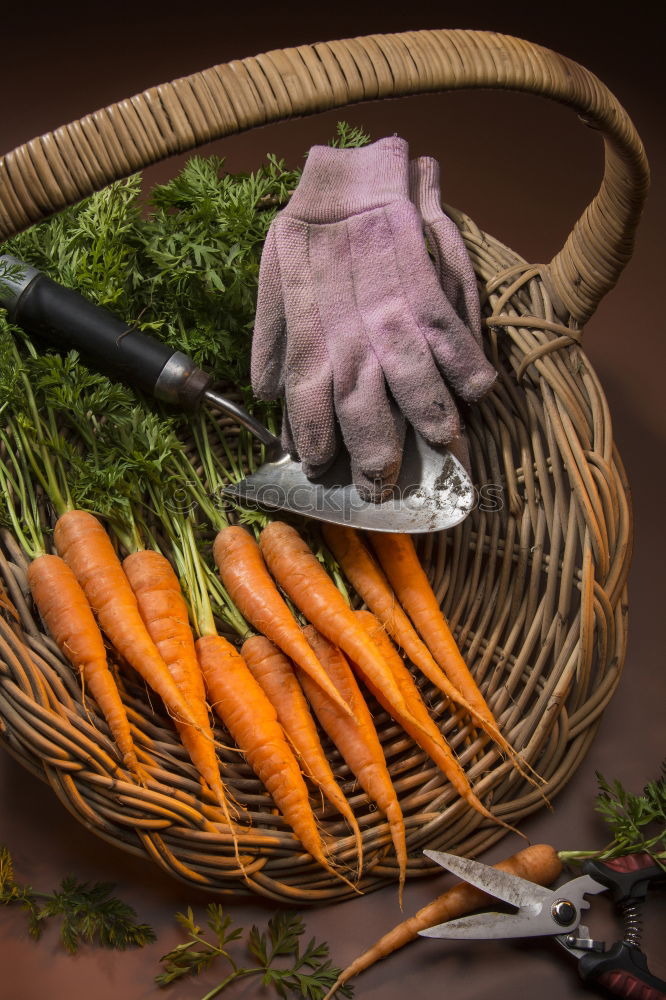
15	484
55	487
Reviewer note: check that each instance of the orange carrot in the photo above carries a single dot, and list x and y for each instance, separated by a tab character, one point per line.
538	863
371	585
412	588
86	548
164	613
304	579
245	576
427	735
69	618
401	564
275	674
252	721
357	741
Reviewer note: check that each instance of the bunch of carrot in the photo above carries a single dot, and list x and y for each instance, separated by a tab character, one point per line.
350	646
85	593
268	695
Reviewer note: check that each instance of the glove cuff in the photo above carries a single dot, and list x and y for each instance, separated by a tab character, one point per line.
337	183
424	188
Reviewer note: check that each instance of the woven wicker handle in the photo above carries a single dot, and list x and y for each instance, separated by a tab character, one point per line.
61	167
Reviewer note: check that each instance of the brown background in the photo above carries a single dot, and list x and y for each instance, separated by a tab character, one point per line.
524	170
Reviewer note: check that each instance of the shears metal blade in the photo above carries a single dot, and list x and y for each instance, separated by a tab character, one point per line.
540	911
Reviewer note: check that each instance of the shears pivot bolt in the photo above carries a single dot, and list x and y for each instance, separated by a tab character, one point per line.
563	911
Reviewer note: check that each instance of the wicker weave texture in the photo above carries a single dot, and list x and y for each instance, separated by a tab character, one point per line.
533	582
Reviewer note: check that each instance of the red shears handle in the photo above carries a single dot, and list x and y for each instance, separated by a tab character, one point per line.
623	968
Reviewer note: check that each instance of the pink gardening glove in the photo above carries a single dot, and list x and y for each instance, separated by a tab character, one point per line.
352	326
451	259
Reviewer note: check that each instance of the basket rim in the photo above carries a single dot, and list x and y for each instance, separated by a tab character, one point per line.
60	167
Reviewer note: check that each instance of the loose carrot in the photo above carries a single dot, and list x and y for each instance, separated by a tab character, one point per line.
412	588
275	675
357	741
304	579
68	617
164	613
252	721
427	735
250	586
86	548
538	863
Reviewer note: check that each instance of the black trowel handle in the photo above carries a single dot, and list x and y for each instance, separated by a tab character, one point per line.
67	319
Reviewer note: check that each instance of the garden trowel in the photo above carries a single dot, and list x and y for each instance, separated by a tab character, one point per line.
433	491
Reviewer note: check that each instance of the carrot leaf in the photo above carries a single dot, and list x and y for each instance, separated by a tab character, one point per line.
188	960
348	136
10	273
90	913
10	890
637	821
284	930
280	962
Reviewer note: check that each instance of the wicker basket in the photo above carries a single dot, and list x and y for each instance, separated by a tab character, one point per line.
535	592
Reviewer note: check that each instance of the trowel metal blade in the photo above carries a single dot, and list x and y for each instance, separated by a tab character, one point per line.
433	492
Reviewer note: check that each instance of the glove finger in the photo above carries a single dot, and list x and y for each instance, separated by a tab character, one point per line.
460	358
308	380
452	261
455	273
374	490
307	353
372	427
420	392
288	443
309	403
414	301
269	339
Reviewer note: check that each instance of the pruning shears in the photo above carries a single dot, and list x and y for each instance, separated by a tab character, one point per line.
622	968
